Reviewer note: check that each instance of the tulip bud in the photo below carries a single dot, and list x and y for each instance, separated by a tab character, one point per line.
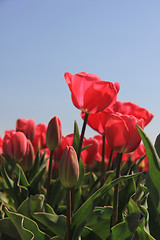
54	133
14	145
28	160
69	167
27	126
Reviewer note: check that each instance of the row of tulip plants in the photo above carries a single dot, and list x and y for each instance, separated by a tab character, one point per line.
69	187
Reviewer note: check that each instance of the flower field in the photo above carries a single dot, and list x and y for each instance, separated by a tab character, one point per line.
71	187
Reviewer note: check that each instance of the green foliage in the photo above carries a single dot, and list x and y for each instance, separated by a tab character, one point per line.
25	214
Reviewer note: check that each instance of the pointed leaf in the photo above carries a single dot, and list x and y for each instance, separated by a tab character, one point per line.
55	223
81	216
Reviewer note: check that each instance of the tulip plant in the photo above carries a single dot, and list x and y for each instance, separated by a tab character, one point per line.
73	188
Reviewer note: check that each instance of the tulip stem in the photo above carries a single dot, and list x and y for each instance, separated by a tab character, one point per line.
49	175
103	165
69	217
110	160
116	191
82	136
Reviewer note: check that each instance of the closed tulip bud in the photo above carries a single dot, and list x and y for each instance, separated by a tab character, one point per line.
69	167
54	133
28	160
14	145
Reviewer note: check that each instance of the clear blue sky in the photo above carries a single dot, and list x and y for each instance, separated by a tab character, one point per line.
40	40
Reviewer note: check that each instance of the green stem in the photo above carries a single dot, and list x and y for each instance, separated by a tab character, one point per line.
79	153
82	136
103	165
69	215
49	175
116	191
110	160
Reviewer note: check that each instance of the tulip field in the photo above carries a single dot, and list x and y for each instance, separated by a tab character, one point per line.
106	187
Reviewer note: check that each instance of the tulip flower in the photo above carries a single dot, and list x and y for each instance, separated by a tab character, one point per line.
98	120
89	93
14	145
27	126
53	140
39	141
28	160
88	155
69	167
54	133
121	132
129	108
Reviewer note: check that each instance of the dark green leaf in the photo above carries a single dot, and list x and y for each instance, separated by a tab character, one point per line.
55	223
81	216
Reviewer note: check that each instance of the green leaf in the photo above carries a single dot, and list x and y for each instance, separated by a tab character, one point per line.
35	167
55	223
99	221
157	145
8	181
27	228
81	216
153	219
76	137
36	180
153	176
88	234
7	227
18	171
124	195
35	203
125	230
56	193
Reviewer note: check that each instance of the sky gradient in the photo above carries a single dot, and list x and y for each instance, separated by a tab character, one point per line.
41	40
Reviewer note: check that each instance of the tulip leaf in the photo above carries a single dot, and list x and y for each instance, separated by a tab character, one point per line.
124	195
99	221
35	203
125	230
55	223
36	180
157	145
88	234
18	171
7	228
80	218
27	228
9	183
35	167
153	219
76	137
153	175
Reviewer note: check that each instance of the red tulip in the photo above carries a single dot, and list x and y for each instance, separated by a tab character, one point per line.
39	141
54	133
108	149
121	132
14	145
88	155
28	160
89	93
27	126
98	120
69	167
129	108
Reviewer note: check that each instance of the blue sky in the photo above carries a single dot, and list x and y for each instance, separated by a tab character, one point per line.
41	40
